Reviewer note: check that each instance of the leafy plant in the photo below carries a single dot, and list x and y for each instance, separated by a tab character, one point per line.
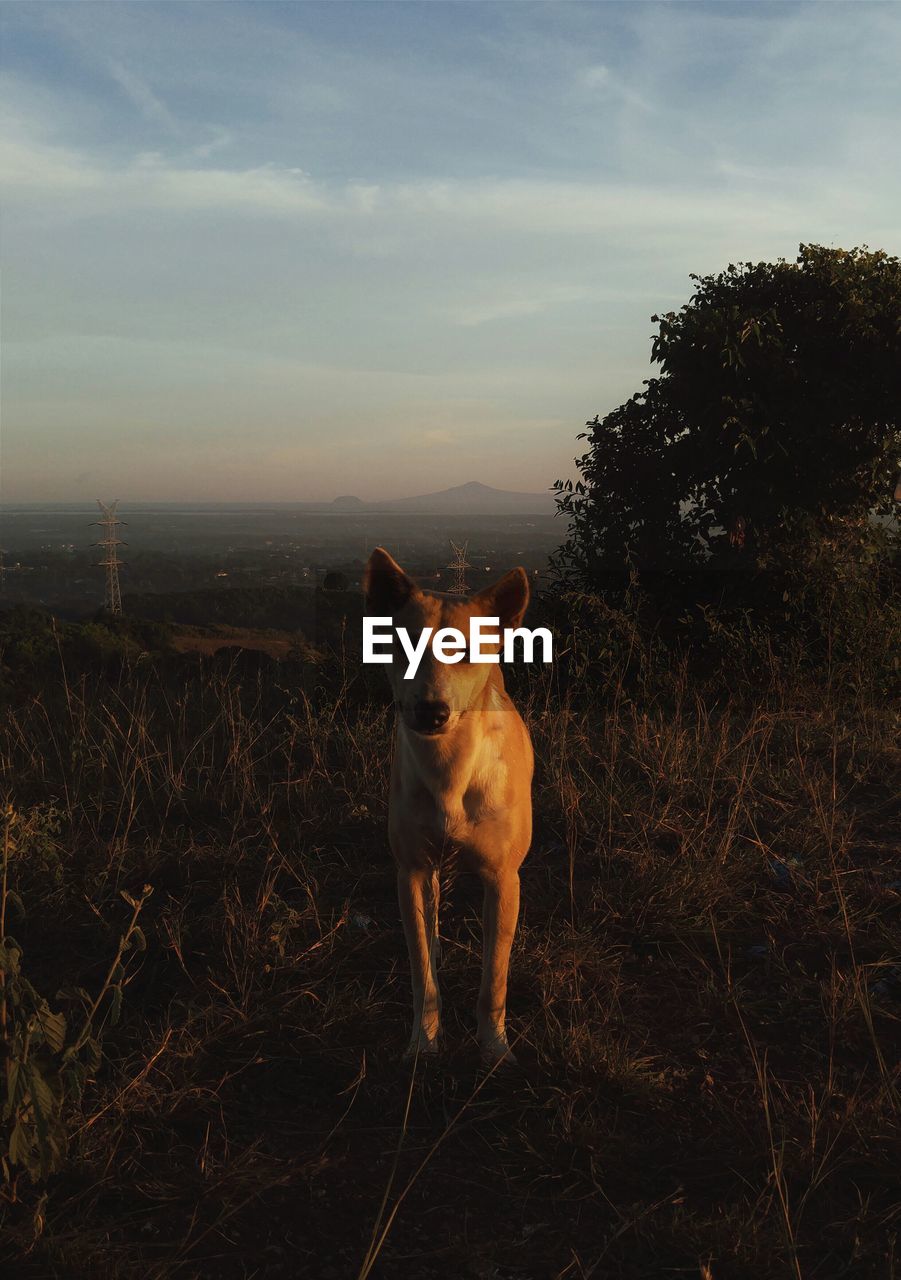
45	1065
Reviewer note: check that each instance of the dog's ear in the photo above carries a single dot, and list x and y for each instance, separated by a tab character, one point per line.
507	599
385	585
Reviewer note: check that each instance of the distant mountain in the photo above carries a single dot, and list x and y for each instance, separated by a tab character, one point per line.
473	499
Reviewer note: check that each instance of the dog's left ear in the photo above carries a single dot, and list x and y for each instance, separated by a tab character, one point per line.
507	599
385	585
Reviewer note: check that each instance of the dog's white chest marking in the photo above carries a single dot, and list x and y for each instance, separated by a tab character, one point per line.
479	794
487	786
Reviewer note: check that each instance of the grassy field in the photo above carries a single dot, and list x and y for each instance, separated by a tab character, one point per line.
209	640
704	991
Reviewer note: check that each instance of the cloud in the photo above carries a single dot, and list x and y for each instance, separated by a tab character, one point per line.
598	83
35	171
490	309
436	436
141	96
444	225
594	77
220	141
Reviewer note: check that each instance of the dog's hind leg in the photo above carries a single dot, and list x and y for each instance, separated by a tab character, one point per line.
499	916
417	893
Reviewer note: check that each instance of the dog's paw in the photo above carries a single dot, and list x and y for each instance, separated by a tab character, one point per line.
425	1046
495	1051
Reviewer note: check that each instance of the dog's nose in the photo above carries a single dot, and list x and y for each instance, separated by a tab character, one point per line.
429	717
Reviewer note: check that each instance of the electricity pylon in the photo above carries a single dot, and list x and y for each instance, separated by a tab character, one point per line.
459	565
110	544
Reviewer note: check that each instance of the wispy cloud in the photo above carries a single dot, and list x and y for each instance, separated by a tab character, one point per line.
142	96
599	84
35	170
490	309
432	436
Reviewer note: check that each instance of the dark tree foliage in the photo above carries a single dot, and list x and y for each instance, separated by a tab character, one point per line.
33	641
774	426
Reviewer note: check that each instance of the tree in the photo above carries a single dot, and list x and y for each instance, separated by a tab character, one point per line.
773	428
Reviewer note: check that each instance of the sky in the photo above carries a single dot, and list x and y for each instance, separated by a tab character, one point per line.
261	251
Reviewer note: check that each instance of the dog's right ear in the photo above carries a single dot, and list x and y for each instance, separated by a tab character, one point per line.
385	585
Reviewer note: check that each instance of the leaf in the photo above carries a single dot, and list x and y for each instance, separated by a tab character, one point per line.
53	1026
9	956
19	1144
45	1102
75	1075
14	1088
42	1093
94	1055
13	897
115	1004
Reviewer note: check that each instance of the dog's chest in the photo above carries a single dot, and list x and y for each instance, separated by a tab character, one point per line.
452	809
486	792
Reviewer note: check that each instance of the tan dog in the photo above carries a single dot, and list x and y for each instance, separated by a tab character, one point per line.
460	788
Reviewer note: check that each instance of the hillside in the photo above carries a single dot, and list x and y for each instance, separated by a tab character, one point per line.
703	995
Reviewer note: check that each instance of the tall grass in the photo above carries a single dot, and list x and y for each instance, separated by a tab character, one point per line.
703	986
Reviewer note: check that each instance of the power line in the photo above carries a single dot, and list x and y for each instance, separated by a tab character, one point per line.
459	565
111	544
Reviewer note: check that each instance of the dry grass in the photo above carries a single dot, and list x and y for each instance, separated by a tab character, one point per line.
701	988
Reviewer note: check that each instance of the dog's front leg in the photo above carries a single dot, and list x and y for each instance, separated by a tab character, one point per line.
499	916
417	893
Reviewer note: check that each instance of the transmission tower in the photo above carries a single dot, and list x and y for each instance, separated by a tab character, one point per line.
459	565
110	524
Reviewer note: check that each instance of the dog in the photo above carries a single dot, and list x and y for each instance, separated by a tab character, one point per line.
461	782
